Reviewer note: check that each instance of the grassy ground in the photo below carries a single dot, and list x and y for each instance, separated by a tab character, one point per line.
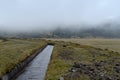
65	54
14	51
112	44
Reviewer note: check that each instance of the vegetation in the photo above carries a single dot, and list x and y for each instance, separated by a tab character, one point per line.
73	61
3	39
86	33
103	31
14	51
110	44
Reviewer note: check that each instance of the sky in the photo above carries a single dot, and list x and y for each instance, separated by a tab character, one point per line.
45	14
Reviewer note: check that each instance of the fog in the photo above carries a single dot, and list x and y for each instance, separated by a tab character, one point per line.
28	15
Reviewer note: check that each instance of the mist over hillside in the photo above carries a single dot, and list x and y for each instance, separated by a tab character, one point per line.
107	30
60	19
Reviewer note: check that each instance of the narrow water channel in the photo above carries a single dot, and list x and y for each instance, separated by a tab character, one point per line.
36	70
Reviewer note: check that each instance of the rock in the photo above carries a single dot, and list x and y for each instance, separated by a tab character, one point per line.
109	78
117	64
77	65
61	78
93	71
91	68
99	64
73	70
117	68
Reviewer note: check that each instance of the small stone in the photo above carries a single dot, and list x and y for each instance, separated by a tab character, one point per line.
117	64
77	65
73	70
61	78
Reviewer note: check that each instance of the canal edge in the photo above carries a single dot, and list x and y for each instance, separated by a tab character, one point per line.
19	67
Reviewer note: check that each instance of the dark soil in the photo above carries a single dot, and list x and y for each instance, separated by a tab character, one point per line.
93	71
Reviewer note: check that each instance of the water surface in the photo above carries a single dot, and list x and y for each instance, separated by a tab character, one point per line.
36	70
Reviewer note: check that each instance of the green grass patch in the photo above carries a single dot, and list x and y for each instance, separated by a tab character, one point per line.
66	53
14	51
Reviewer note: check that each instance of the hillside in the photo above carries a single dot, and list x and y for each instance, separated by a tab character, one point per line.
99	31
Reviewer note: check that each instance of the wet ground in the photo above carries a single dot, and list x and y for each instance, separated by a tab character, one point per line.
37	68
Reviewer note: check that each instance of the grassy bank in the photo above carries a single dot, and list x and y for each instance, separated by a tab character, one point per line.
14	51
111	44
84	59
